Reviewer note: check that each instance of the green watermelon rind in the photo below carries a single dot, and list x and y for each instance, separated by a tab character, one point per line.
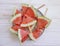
19	36
33	26
31	36
13	18
28	24
49	21
13	31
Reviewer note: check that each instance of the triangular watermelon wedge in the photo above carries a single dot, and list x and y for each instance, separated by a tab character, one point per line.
17	19
47	20
24	9
14	29
39	28
22	35
37	33
28	10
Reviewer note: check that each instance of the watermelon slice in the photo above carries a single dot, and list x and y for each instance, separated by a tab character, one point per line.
39	28
17	19
31	11
14	29
37	33
24	9
27	21
41	23
22	35
28	10
46	19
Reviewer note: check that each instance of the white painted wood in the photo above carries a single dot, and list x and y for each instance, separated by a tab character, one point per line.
51	36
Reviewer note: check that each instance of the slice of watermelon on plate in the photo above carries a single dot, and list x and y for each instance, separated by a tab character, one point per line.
28	10
17	19
22	35
47	20
35	34
14	29
24	9
39	28
41	23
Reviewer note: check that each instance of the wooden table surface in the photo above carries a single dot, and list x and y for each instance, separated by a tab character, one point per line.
51	36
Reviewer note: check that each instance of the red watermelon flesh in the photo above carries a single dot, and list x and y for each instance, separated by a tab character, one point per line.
24	9
30	12
27	19
36	33
41	23
18	20
16	27
23	34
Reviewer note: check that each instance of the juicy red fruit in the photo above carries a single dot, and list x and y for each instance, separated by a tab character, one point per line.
24	35
41	23
15	27
18	20
36	33
30	12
